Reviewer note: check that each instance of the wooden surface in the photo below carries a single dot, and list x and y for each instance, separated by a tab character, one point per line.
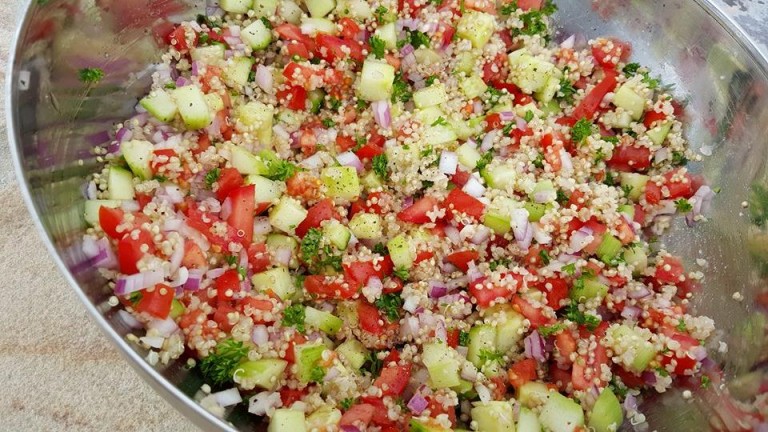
57	371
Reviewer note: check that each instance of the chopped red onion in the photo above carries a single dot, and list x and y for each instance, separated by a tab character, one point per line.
176	258
449	161
283	256
525	242
507	116
153	341
313	162
130	206
459	282
128	319
649	377
350	159
195	68
473	273
482	233
545	196
182	82
638	291
226	208
196	237
411	303
228	397
123	134
409	23
193	279
483	393
375	285
171	224
534	347
541	236
264	402
630	403
264	79
631	312
568	42
436	290
702	200
521	123
90	247
698	353
417	404
165	327
410	327
215	273
447	267
469	372
474	187
182	276
381	113
566	161
488	139
261	225
520	223
452	233
127	284
661	155
580	239
441	333
477	107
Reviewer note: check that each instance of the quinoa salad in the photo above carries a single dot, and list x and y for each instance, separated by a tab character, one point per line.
420	215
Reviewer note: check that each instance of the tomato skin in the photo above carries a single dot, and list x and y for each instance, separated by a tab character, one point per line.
318	213
630	158
651	117
557	293
290	353
369	151
303	185
193	256
165	154
417	213
529	4
684	363
393	379
485	295
292	32
607	57
462	259
597	358
258	257
349	28
288	395
156	302
297	49
129	251
588	106
652	193
565	343
669	275
177	39
522	372
360	272
293	97
358	414
345	142
436	408
329	287
109	219
243	207
229	180
331	48
460	178
492	122
227	284
221	316
462	202
369	318
532	313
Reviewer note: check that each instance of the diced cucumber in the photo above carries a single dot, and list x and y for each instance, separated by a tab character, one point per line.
426	56
468	155
462	129
481	338
287	420
658	134
476	27
290	11
287	214
208	54
177	309
401	253
630	101
353	352
263	373
337	234
465	62
192	106
500	224
545	189
510	327
322	320
473	86
265	190
548	91
315	98
265	8
527	421
561	414
417	426
433	95
160	104
429	115
357	9
320	8
376	80
236	6
536	211
494	416
366	226
609	248
388	34
256	35
533	394
635	183
246	162
438	135
636	258
499	176
588	288
371	181
628	210
530	73
324	418
307	358
238	71
621	120
258	117
277	279
313	26
277	241
341	182
214	101
443	367
465	389
91	213
606	415
120	184
138	156
634	341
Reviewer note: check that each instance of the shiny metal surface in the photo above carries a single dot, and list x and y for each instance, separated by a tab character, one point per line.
55	120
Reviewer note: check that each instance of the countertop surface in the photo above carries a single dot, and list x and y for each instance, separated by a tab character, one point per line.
58	372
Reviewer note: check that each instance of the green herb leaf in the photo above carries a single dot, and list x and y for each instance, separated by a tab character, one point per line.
373	364
418	39
528	116
678	158
547	331
501	262
212	177
705	381
430	80
573	313
390	305
567	90
401	273
631	69
220	365
581	130
281	170
485	159
316	374
295	315
328	123
346	404
544	255
683	205
539	161
91	75
463	338
491	356
569	269
310	244
378	46
440	121
401	91
379	164
681	325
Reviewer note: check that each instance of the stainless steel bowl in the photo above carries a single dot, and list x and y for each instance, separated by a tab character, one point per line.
55	120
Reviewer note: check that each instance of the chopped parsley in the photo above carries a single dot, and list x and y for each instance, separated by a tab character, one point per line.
334	104
266	22
381	14
573	313
160	178
501	262
631	69
401	91
220	365
562	197
381	249
418	39
678	158
378	47
507	129
485	159
567	90
231	259
170	86
91	75
401	273
361	105
661	371
463	338
683	205
316	374
547	331
310	244
509	8
135	297
346	404
534	21
328	123
430	80
705	381
390	305
539	161
569	269
681	325
627	189
440	121
494	95
581	130
544	255
610	139
281	170
379	164
490	356
528	116
294	316
619	389
372	363
212	177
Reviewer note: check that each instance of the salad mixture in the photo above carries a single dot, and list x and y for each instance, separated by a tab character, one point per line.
417	215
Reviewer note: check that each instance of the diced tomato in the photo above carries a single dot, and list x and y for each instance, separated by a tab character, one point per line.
556	290
345	142
522	372
369	151
436	408
308	142
129	251
417	213
292	32
193	256
493	121
190	318
156	301
393	379
577	199
598	229
329	287
203	142
304	185
203	221
359	272
258	257
493	70
460	178
680	188
453	338
360	414
160	159
229	180
565	343
290	353
380	413
485	295
293	97
369	318
586	370
423	256
462	202
298	75
669	270
332	48
628	378
462	259
652	193
559	377
227	285
288	395
413	7
487	6
143	199
349	28
519	97
627	157
297	49
109	219
221	316
178	39
506	37
651	117
589	105
241	216
318	213
608	52
533	314
251	305
371	204
529	4
552	146
639	215
684	363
